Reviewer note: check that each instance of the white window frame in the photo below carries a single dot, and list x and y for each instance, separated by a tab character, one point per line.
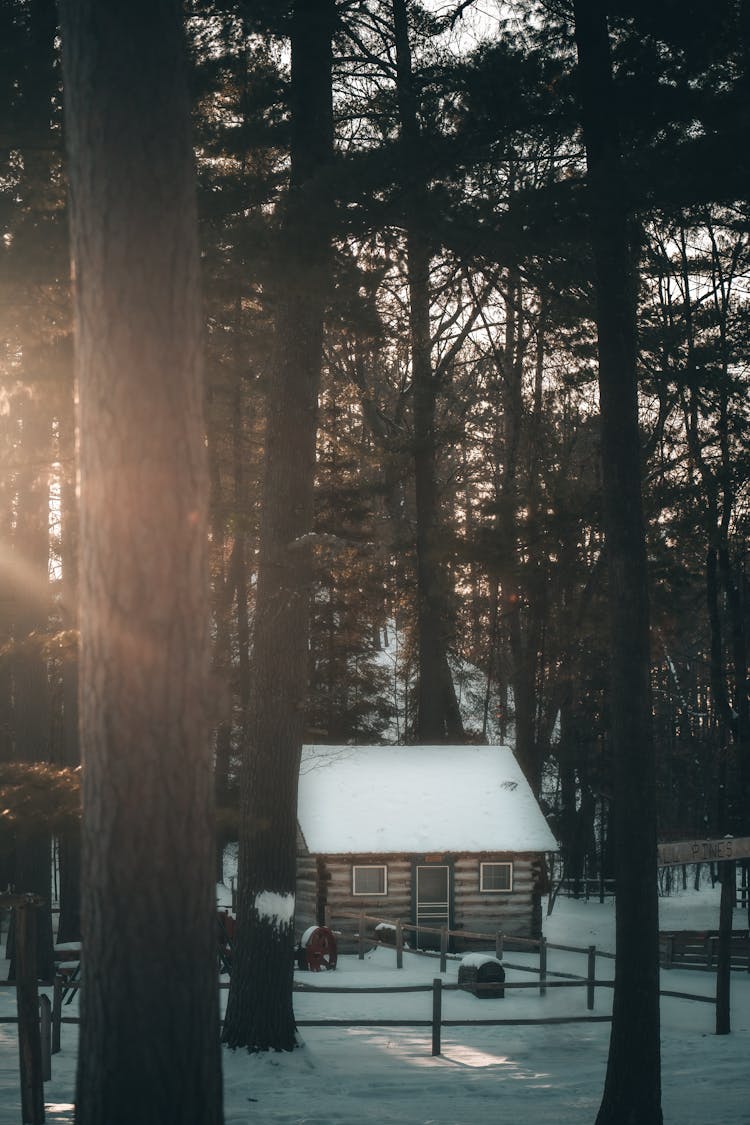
369	867
496	890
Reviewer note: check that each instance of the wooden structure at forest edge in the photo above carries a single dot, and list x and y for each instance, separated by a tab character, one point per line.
31	1056
445	836
703	851
725	850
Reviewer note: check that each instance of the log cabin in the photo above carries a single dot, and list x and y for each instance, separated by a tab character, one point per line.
432	835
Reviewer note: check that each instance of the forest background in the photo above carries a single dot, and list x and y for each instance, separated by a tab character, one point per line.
480	457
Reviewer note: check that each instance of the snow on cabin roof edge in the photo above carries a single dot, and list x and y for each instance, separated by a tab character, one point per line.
380	800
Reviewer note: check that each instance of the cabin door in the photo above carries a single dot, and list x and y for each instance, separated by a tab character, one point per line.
431	902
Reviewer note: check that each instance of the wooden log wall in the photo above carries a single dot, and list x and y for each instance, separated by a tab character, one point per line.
395	904
306	901
512	912
328	880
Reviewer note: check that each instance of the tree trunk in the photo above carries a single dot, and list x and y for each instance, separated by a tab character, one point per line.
438	716
632	1092
32	597
259	1011
31	694
149	1037
69	926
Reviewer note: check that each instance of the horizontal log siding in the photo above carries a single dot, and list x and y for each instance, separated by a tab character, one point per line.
328	879
391	906
395	904
306	902
512	911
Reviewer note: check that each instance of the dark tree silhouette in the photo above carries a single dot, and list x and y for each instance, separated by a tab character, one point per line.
149	1040
438	715
259	1011
632	1092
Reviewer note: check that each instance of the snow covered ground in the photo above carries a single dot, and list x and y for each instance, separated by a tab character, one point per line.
548	1075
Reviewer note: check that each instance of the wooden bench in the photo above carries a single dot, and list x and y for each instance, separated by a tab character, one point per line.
697	949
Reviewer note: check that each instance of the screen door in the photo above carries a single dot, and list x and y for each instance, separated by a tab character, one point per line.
432	902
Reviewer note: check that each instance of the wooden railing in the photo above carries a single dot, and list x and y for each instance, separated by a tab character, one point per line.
437	988
697	949
498	939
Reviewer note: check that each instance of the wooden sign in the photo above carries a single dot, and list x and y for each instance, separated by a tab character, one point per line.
703	851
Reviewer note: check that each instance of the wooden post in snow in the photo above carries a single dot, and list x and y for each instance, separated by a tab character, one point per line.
399	945
437	1013
45	1036
543	966
724	951
56	1012
27	996
591	977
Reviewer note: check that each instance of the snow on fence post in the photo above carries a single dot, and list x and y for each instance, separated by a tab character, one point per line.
590	978
399	945
361	938
499	945
45	1036
542	966
437	1013
443	949
56	1012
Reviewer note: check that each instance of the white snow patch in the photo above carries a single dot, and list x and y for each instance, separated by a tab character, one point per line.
548	1075
307	935
476	960
386	799
275	908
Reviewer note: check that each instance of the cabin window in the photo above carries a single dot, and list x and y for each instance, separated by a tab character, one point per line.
494	878
370	880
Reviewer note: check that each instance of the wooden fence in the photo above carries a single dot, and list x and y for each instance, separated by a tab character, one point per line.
698	949
439	987
497	940
48	1018
437	1022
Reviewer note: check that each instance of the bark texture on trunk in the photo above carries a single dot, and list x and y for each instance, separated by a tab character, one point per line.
632	1092
259	1012
35	240
438	715
31	694
69	839
149	1039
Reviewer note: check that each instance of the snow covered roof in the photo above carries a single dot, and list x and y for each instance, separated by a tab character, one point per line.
381	799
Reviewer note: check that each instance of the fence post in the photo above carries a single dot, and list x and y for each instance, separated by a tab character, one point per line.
327	916
443	949
27	995
45	1036
724	946
543	966
437	1013
499	945
56	1013
399	945
361	938
669	952
590	978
